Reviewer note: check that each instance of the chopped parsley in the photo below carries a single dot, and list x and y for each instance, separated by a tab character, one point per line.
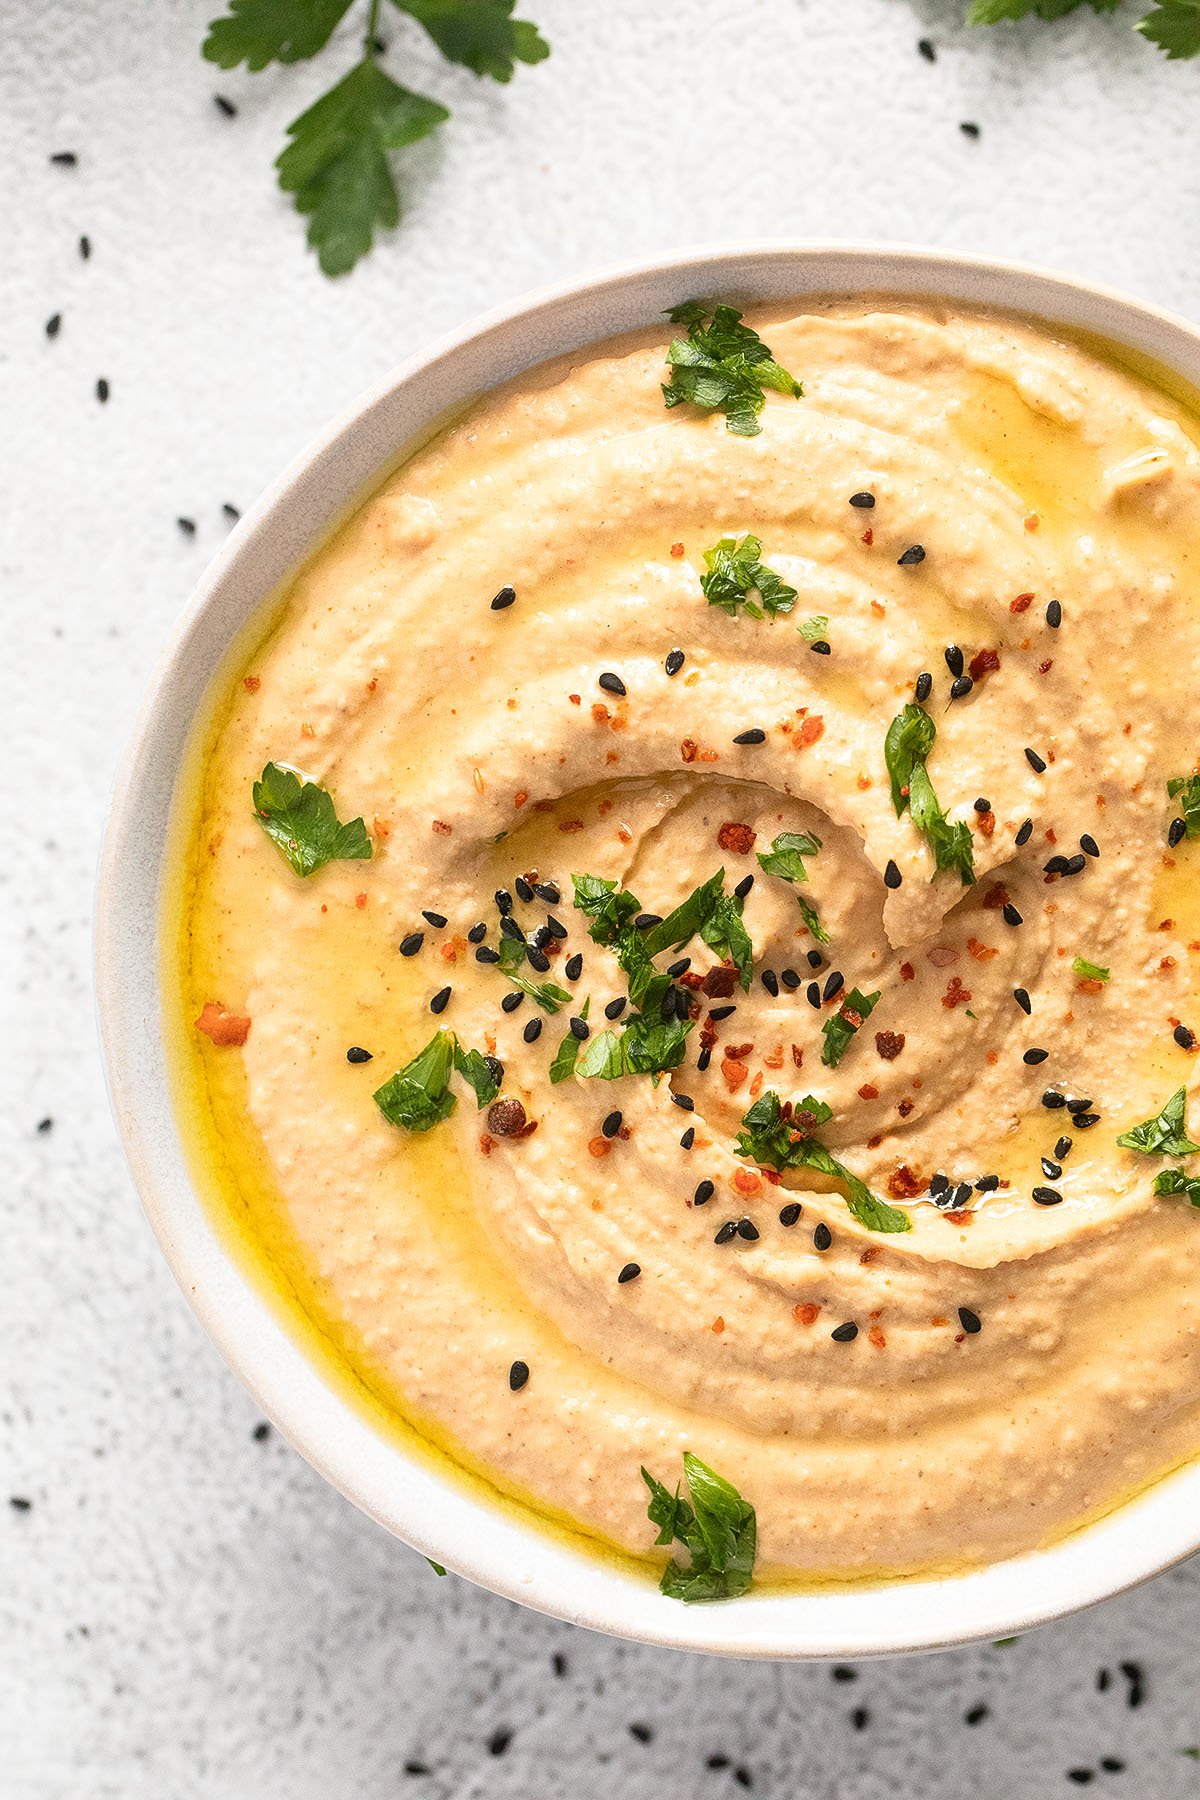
717	1528
1165	1135
548	995
418	1096
1187	792
841	1028
776	1142
1090	971
1174	1181
563	1066
785	858
723	366
910	738
479	1072
813	630
736	578
644	1046
299	818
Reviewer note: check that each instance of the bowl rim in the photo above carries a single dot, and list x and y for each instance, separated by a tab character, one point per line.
426	1507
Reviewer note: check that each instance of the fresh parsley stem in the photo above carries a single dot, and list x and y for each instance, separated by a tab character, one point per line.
372	37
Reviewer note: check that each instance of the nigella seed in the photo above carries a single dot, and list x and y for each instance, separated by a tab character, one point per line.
1088	844
85	248
845	1334
954	659
743	887
518	1375
1054	614
496	1070
913	555
1046	1196
1023	1001
748	1230
960	688
770	981
546	890
688	1138
834	985
1052	1100
675	661
812	993
684	1101
1024	833
891	875
477	933
790	1213
970	1321
503	599
924	687
1184	1038
225	106
580	1030
511	1001
441	1000
790	979
819	647
412	943
356	1053
679	968
866	500
1051	1170
1035	1056
524	891
532	1031
727	1233
1176	832
630	1272
65	159
1010	915
611	1125
1063	1148
1036	763
815	959
485	954
503	901
437	920
615	1008
573	967
704	1192
753	736
537	959
612	684
822	1237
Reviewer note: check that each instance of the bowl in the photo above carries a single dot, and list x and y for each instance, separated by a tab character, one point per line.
489	1543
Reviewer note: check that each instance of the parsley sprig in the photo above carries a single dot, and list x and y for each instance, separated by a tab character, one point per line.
718	1529
299	818
775	1140
1173	25
722	365
337	164
736	579
785	859
1165	1134
417	1097
910	738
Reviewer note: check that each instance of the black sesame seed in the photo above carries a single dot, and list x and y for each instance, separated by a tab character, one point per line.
1063	1147
511	1001
630	1272
960	688
962	1193
437	920
532	1031
412	943
841	1672
680	967
356	1054
987	1184
102	390
833	985
537	959
1184	1038
1052	1099
573	967
748	1230
555	927
546	890
812	993
815	959
1035	762
866	500
969	128
66	159
914	554
645	920
743	887
643	1733
518	1375
85	248
954	659
1176	832
1075	865
503	599
1088	844
770	981
1051	1170
503	901
1075	1106
541	937
753	736
1057	865
822	1237
1024	833
225	106
820	647
441	1000
53	325
580	1030
612	684
1046	1196
845	1334
975	1715
722	1012
1112	1765
1085	1121
790	979
675	661
727	1233
230	511
704	1193
477	933
927	48
688	1138
495	1068
524	891
924	686
891	875
684	1102
982	805
510	929
704	1058
485	954
938	1183
1010	915
611	1125
790	1213
1022	999
1081	1777
1035	1056
1054	615
970	1321
615	1008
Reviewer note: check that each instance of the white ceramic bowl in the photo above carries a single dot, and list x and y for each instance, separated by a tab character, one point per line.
404	1492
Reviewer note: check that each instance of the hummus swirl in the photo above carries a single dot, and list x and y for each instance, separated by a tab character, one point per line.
1018	1366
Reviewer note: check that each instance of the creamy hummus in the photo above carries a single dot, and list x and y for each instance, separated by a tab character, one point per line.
1026	1354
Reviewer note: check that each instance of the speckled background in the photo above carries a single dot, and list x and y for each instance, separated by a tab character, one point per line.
185	1609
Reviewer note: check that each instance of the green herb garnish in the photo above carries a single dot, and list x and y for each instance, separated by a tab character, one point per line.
479	1072
548	995
785	858
607	906
1174	1181
841	1028
717	1529
776	1142
723	366
813	630
1187	790
437	1568
910	738
299	818
563	1066
644	1046
418	1096
337	164
1165	1135
736	579
1090	971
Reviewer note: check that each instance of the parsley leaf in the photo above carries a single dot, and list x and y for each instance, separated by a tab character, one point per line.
480	1072
735	573
1174	26
480	34
548	995
723	366
910	737
718	1530
1174	1181
725	933
1165	1135
776	1142
608	907
299	818
258	32
563	1066
814	629
644	1046
841	1028
1187	792
337	164
686	919
812	919
418	1096
1090	971
786	856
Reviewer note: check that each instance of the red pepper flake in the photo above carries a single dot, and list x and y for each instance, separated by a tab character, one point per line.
520	797
360	900
252	683
984	662
1032	521
486	1144
599	1146
224	1028
570	824
876	1337
797	1056
442	829
739	1052
381	828
996	898
738	838
748	1182
907	972
735	1073
904	1108
956	994
720	982
810	730
575	699
864	782
1044	668
454	947
959	1218
600	713
718	1324
676	549
806	1313
986	822
1022	603
308	731
868	537
688	750
904	1183
1166	925
889	1044
868	1092
981	952
1089	984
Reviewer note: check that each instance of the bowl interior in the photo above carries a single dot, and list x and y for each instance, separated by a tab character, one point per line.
409	1496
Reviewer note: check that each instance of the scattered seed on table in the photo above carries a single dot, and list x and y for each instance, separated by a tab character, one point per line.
66	159
969	128
85	248
231	512
187	526
53	325
927	48
225	106
102	391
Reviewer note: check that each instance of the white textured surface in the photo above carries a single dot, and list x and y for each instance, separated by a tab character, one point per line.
185	1610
